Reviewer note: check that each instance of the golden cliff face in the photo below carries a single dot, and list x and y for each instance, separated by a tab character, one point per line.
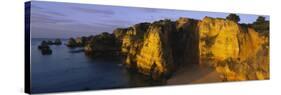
147	47
237	51
151	52
131	42
159	48
250	42
218	37
224	39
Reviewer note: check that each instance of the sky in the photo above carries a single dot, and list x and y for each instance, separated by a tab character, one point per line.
65	20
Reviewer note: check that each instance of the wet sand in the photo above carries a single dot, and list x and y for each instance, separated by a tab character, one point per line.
194	74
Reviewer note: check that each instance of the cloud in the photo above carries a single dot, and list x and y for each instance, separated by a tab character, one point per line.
43	9
68	30
55	13
33	6
95	11
150	10
45	18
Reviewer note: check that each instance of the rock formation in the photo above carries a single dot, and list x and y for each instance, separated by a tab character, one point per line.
50	42
159	48
78	42
235	50
45	49
72	43
104	44
224	38
57	42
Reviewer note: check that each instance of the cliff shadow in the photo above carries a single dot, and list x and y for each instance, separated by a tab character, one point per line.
186	44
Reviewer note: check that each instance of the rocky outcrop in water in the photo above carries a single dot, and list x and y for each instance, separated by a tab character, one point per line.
45	48
57	42
78	42
72	43
104	44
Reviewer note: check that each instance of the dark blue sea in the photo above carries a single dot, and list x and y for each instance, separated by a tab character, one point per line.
64	70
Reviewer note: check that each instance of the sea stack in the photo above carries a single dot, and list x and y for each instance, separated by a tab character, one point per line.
45	48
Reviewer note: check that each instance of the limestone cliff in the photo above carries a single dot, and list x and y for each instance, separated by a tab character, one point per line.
159	48
235	50
146	47
223	38
104	44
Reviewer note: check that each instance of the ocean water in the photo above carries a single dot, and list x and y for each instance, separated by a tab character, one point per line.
64	70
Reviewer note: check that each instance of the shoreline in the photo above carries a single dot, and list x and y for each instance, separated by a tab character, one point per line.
193	74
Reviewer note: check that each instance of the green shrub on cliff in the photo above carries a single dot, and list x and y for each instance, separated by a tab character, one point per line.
261	25
233	17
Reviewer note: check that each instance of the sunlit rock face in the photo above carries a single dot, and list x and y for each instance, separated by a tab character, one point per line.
155	55
249	42
131	40
222	39
158	49
218	37
235	50
142	47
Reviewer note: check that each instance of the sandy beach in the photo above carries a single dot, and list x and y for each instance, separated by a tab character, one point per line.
194	74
